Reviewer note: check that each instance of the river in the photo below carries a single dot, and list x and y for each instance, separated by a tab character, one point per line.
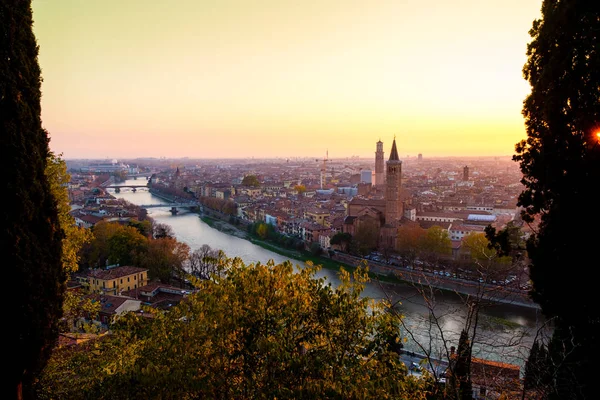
505	332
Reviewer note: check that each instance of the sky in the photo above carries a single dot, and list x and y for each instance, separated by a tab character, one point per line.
280	78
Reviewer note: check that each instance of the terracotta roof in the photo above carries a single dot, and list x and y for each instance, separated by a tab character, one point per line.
90	219
429	224
368	202
115	273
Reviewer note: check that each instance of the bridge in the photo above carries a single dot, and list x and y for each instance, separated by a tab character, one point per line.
133	188
125	186
140	175
180	205
173	206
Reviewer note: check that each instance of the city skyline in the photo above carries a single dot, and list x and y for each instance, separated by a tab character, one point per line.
282	79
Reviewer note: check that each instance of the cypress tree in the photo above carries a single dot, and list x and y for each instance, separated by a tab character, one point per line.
30	235
462	368
538	368
560	161
460	386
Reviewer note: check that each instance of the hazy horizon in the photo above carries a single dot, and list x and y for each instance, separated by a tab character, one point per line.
285	79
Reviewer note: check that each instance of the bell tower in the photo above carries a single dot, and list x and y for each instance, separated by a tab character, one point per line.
379	172
393	185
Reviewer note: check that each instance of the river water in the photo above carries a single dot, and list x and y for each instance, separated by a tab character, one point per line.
505	331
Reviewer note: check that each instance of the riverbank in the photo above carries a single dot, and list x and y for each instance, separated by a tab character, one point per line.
224	227
381	273
303	256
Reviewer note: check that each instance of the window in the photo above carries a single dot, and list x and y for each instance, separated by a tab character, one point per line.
121	281
127	279
103	284
114	284
135	277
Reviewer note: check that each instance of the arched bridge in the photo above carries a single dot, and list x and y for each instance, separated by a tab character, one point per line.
174	206
125	186
180	205
140	175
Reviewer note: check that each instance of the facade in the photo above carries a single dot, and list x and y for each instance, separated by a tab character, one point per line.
379	166
105	167
115	280
317	215
459	231
365	176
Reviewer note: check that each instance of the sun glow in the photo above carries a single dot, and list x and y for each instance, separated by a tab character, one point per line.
282	78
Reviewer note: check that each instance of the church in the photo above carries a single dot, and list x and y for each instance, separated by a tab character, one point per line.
384	208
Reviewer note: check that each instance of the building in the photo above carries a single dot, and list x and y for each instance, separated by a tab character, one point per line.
317	215
366	176
111	307
113	281
105	167
393	184
385	213
379	171
465	173
158	295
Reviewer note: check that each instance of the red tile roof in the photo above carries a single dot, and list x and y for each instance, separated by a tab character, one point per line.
114	273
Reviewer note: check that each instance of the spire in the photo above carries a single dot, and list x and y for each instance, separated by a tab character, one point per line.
394	152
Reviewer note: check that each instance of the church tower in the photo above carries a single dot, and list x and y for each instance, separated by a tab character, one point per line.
393	185
379	177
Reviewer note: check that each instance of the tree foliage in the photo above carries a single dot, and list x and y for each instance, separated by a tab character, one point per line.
366	236
342	239
560	161
479	247
225	206
75	236
409	241
260	332
78	311
436	243
300	189
114	243
144	227
508	241
251	180
165	259
31	235
160	231
205	261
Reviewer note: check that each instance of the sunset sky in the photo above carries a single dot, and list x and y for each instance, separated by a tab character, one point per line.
279	78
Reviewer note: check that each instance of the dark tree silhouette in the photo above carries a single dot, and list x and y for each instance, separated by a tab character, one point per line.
538	369
560	161
30	236
462	368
